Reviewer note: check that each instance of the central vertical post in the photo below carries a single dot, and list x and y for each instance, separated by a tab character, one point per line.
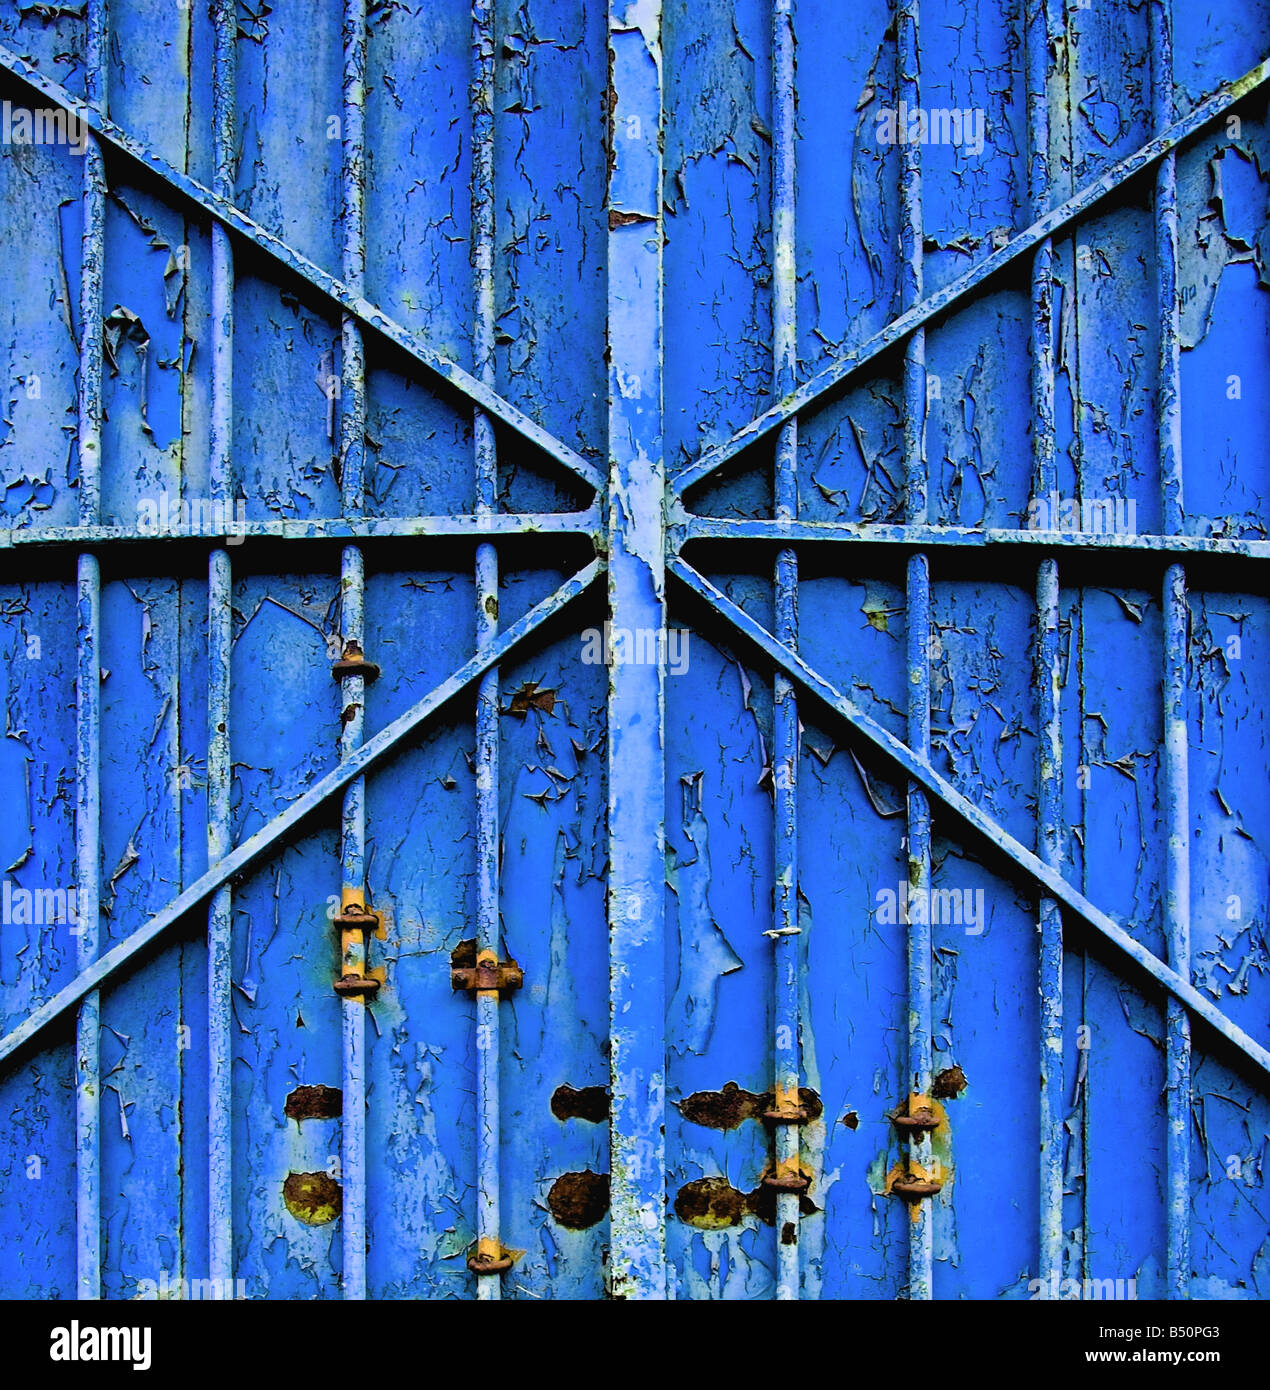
220	646
922	1165
88	678
636	590
353	889
787	1113
1175	753
1046	665
489	1260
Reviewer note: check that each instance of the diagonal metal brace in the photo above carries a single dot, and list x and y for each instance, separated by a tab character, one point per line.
371	753
816	388
1050	880
224	212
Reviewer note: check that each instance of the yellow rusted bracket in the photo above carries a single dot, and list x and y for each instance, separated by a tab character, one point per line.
787	1107
914	1182
489	978
354	923
788	1176
920	1117
489	1258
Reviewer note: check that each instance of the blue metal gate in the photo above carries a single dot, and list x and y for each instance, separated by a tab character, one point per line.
407	891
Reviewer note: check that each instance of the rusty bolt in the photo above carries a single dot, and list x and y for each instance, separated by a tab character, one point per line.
355	917
353	663
787	1182
921	1121
506	975
914	1189
795	1116
352	985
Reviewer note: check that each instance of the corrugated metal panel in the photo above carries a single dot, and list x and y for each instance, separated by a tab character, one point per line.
886	916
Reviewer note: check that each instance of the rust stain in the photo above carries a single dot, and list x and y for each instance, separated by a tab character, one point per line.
724	1109
625	219
851	1120
314	1198
589	1103
579	1200
949	1084
530	697
711	1204
762	1202
314	1103
728	1108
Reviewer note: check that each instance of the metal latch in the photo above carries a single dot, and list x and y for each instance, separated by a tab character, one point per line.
488	975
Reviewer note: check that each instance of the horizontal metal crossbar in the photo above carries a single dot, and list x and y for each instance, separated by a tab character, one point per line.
1041	875
252	850
816	388
696	528
224	212
489	527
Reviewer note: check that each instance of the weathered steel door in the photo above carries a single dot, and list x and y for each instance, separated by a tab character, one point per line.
634	658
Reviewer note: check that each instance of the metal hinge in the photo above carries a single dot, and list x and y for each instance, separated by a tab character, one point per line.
916	1122
355	918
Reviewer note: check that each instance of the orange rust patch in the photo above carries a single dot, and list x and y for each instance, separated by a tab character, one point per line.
579	1200
314	1198
733	1105
314	1103
949	1084
590	1103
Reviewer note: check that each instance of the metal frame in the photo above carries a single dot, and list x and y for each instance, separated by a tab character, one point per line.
1046	668
636	593
641	524
88	679
785	933
220	1092
353	887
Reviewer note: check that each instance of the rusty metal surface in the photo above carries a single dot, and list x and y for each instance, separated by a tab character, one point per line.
805	926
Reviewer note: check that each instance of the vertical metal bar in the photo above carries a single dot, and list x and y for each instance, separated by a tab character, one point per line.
1177	926
636	588
917	606
1046	668
488	1219
1175	759
87	839
352	604
785	1013
220	647
88	679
